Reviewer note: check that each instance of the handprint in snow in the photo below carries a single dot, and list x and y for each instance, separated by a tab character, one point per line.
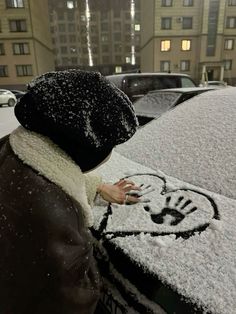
173	214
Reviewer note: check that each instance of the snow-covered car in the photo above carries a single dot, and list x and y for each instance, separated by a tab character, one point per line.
218	84
157	102
7	98
174	251
8	121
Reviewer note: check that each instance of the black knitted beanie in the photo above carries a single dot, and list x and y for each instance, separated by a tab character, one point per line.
80	111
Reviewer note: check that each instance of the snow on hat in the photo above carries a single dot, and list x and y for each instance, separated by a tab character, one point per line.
81	111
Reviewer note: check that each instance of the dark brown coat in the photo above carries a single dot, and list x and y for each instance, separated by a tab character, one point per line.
46	255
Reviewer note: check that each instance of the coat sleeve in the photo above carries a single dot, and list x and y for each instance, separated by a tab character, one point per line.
73	282
92	181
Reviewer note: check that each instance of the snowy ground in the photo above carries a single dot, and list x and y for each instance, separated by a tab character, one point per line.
8	121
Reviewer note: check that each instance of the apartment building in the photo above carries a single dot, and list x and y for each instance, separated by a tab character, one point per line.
25	42
101	35
196	37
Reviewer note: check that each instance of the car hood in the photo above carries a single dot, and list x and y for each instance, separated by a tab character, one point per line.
182	235
195	257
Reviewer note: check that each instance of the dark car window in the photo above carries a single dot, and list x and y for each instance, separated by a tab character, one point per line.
163	82
139	85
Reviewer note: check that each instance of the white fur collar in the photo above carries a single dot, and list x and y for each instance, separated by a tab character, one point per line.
40	153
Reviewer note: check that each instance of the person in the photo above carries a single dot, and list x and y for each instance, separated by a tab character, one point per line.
70	122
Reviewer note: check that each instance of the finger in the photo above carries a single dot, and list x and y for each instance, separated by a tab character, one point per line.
132	200
129	188
146	191
119	182
123	183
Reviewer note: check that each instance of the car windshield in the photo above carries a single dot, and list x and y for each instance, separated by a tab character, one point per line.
156	103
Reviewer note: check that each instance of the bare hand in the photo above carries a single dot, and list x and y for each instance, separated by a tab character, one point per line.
117	193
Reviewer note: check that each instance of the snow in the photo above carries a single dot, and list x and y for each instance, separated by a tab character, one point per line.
202	267
154	104
195	142
8	121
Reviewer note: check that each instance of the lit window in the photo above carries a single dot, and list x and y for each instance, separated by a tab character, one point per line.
165	66
118	69
70	4
165	45
127	60
137	27
229	44
186	44
231	22
228	64
185	65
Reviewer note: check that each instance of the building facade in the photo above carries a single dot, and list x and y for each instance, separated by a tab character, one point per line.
196	37
101	35
25	42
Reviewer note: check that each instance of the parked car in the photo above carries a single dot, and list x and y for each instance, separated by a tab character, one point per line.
136	85
7	98
155	103
214	83
8	121
18	93
174	251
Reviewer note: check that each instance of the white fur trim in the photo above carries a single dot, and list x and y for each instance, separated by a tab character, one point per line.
40	153
92	181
